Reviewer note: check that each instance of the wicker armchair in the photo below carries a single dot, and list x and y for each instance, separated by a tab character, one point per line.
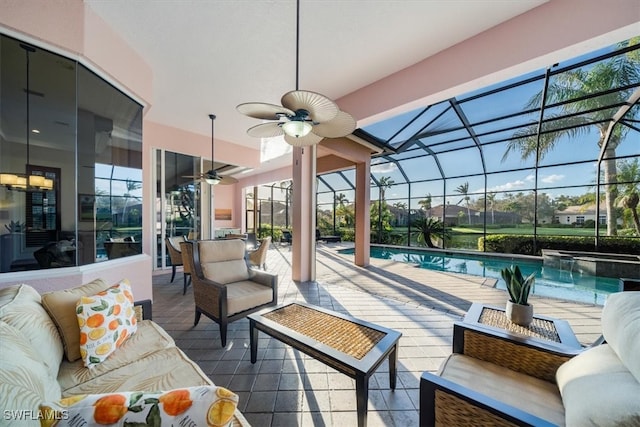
259	256
496	378
173	249
225	289
186	250
475	384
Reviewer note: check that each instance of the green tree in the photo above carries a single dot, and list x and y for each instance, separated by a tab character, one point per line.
380	219
427	228
343	211
425	205
383	183
400	209
491	199
341	199
463	189
576	118
629	176
131	186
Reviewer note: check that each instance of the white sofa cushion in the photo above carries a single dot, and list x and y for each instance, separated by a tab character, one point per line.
147	340
621	328
20	307
164	369
598	390
535	396
25	380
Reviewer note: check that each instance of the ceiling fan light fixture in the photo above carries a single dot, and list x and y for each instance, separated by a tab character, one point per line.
212	178
296	128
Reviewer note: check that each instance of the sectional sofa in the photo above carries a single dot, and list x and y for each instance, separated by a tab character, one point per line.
38	365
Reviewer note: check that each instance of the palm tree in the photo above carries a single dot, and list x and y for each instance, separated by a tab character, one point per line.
383	183
426	228
131	186
464	190
576	118
491	198
401	208
425	204
341	199
629	174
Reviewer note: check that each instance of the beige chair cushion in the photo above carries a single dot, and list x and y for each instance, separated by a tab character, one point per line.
25	381
598	390
245	294
223	260
61	306
621	328
538	397
20	307
148	339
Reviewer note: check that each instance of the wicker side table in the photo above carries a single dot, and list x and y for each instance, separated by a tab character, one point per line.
544	329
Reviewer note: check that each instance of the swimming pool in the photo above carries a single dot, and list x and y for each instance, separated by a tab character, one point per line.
550	282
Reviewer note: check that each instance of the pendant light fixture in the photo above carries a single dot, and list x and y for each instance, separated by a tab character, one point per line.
18	181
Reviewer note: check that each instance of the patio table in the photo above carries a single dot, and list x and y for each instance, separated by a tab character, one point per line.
543	329
351	346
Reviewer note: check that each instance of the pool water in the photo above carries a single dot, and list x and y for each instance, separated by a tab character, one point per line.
550	282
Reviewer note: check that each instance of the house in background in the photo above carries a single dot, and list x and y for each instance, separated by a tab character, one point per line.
579	214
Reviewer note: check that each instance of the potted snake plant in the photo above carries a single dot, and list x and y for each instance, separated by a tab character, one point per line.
518	309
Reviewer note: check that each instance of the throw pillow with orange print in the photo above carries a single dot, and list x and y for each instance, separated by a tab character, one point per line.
207	406
106	319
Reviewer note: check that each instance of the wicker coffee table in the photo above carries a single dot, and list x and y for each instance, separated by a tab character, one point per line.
351	346
544	329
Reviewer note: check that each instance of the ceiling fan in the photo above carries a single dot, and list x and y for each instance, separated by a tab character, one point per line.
211	176
305	118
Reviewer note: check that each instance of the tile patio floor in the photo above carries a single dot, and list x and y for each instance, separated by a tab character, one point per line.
287	388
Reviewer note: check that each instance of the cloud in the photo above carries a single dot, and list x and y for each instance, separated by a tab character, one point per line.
529	178
510	185
552	178
384	168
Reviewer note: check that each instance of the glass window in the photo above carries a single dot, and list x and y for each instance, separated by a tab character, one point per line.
109	170
81	139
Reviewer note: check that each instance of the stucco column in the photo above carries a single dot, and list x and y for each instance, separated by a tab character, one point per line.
303	250
363	223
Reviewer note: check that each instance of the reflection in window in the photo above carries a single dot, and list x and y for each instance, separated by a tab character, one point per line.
109	177
82	134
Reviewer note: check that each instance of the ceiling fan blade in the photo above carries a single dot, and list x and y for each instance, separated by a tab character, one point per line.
227	180
265	130
303	141
199	176
321	109
342	125
263	111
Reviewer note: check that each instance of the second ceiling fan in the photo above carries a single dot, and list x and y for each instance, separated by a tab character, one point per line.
211	176
305	118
